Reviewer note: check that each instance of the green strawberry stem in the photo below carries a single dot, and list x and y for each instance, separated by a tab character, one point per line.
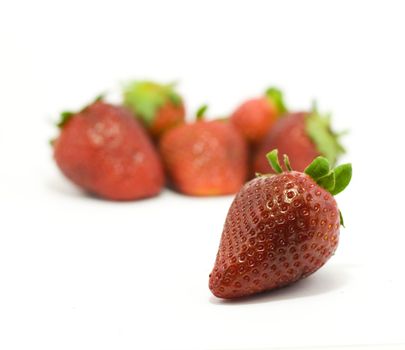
200	115
287	163
99	98
64	118
342	221
275	96
318	128
272	157
334	180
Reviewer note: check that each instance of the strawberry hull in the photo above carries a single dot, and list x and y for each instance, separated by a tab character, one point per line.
279	229
158	106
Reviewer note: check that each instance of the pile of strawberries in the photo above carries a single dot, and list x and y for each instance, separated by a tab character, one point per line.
131	151
283	224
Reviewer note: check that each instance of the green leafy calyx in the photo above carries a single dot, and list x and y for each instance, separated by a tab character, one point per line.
200	114
342	222
333	180
144	98
287	163
343	175
64	118
272	157
67	115
325	139
275	96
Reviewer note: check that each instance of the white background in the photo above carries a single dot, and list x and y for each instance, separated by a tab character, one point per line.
82	273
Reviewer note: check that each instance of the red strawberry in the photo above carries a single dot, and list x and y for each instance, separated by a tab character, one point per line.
279	229
303	136
104	150
158	106
255	117
205	157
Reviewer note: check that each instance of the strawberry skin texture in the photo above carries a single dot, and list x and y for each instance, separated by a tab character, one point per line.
290	137
254	118
167	117
279	229
104	150
205	158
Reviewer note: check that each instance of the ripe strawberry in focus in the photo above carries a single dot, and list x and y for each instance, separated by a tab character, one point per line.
303	136
279	229
255	117
205	158
158	106
104	150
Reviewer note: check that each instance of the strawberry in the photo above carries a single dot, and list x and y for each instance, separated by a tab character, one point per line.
303	136
280	228
205	157
255	117
158	106
105	150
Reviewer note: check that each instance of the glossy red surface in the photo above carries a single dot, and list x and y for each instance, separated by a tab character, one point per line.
279	229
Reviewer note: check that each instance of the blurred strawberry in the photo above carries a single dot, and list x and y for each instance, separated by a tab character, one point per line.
158	106
105	150
205	158
303	136
255	117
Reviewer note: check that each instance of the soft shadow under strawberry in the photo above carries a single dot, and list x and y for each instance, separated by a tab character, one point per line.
327	280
